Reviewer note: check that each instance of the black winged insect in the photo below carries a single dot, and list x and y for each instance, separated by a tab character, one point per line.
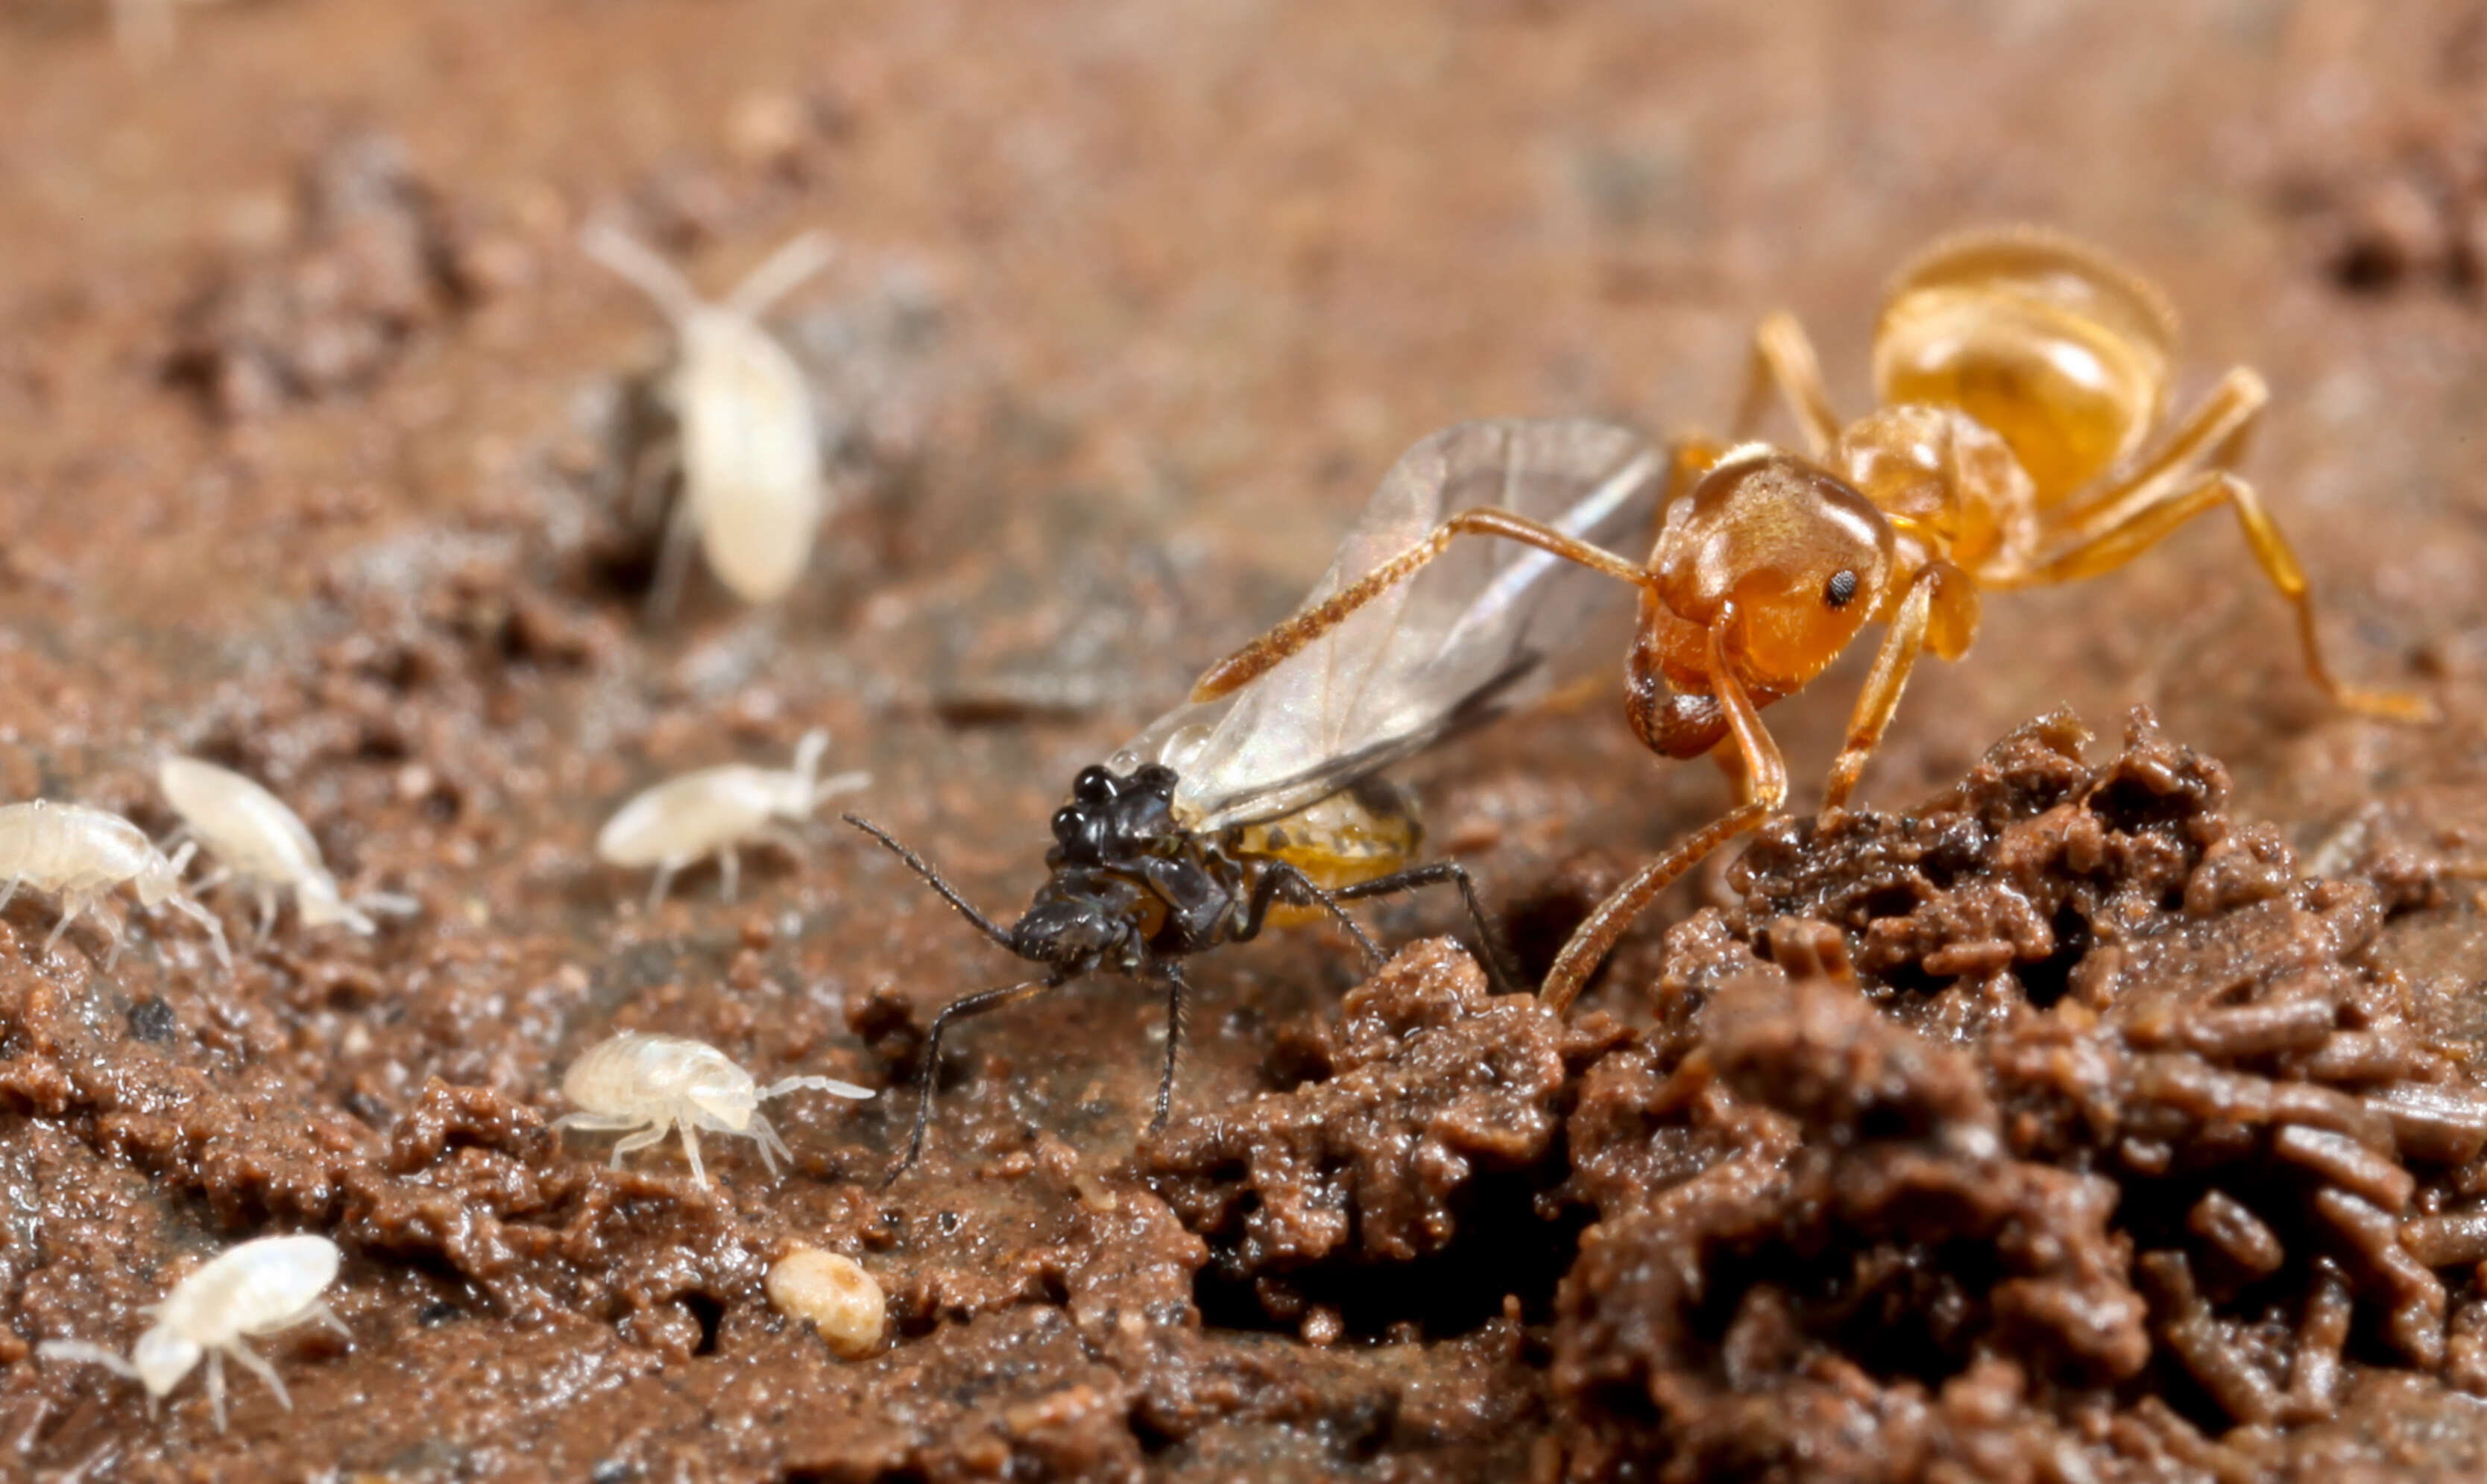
1265	805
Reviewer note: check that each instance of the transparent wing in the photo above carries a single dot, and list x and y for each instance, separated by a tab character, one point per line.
1469	636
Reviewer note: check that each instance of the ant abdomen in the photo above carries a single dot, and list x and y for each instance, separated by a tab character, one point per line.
2063	352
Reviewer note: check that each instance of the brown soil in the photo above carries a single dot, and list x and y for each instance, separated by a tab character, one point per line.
2110	1114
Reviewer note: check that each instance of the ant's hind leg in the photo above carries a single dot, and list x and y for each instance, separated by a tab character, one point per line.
1493	956
2145	526
1783	361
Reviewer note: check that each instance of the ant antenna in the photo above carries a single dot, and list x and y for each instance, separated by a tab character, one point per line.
983	924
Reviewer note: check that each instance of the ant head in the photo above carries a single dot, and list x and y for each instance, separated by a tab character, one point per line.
1801	556
2063	351
1069	932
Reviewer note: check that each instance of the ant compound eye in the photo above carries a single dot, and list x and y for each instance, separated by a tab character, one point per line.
1841	589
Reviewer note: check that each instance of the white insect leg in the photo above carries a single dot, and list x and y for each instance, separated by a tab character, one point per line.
598	1123
70	907
690	1149
213	879
267	915
119	933
13	882
206	919
326	1315
653	1134
664	882
258	1367
673	558
729	866
217	1386
784	271
85	1354
765	1134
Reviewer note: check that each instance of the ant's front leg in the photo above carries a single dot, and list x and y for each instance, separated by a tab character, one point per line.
1939	611
1764	766
1783	361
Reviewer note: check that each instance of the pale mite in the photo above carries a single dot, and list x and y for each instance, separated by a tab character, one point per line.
262	845
685	820
255	1289
643	1085
81	854
753	490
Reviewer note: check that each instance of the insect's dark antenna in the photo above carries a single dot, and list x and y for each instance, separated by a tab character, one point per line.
983	924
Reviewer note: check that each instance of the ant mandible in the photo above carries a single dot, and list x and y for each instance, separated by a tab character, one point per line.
2020	377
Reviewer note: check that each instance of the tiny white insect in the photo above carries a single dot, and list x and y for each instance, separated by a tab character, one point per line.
753	490
81	854
683	820
258	1288
263	845
643	1085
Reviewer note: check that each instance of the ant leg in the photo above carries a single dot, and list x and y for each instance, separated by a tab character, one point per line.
1783	360
1935	582
257	1366
2148	525
1176	989
1282	879
1766	769
1493	955
1259	656
959	1009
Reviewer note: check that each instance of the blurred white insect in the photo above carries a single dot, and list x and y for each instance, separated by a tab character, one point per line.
748	449
255	1289
642	1086
80	854
683	820
262	845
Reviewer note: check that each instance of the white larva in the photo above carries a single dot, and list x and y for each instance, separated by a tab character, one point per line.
753	490
262	845
642	1086
258	1288
685	820
80	854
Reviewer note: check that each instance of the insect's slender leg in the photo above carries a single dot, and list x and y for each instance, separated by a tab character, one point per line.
663	883
781	273
1176	989
2213	436
1880	696
70	907
11	891
117	933
765	1134
729	866
1491	952
654	470
207	921
650	1133
1257	658
257	1366
212	881
328	1316
690	1149
673	558
267	915
914	862
1783	360
2149	524
1279	880
1763	763
959	1009
217	1386
598	1123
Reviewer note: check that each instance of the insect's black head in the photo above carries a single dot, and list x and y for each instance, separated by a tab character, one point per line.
1073	933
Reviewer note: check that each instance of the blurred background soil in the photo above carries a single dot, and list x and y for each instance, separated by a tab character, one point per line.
311	461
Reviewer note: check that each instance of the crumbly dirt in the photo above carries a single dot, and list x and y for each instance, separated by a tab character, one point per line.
2113	1113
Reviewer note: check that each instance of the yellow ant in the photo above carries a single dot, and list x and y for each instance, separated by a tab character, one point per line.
2021	375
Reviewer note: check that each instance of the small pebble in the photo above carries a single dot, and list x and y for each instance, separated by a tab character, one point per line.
835	1294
